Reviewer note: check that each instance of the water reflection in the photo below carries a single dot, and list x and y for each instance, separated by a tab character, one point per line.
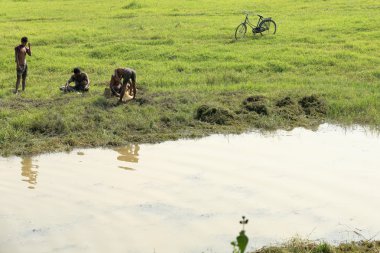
126	168
291	183
28	170
129	153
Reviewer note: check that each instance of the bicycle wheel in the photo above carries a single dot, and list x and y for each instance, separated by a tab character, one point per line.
240	31
268	27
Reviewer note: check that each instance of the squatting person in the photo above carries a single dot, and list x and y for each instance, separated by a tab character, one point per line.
21	65
81	80
129	79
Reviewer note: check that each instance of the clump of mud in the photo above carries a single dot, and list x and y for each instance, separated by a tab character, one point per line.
288	108
286	101
214	115
165	121
313	105
256	104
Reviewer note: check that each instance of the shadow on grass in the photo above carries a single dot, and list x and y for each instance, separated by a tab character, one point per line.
105	103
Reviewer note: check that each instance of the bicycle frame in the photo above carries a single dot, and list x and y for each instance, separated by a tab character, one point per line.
247	22
263	26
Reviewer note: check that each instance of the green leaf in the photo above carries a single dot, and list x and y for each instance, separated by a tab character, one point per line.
242	241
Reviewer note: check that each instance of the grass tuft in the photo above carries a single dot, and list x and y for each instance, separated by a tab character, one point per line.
214	115
133	5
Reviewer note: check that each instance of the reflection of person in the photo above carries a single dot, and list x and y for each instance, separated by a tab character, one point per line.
26	171
81	80
20	58
129	81
129	153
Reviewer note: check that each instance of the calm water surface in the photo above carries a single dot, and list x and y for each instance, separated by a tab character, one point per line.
189	195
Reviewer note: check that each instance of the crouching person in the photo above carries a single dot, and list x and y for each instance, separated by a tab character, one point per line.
115	86
129	81
81	80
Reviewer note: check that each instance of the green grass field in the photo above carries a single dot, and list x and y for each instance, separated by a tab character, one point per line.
185	56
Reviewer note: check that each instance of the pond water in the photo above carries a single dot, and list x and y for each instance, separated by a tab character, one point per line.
189	195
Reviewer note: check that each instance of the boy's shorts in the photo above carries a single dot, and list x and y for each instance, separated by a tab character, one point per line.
22	71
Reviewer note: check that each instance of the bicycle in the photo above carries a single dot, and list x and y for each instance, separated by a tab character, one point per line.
264	26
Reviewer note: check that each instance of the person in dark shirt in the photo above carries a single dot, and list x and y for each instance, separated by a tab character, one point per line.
81	80
20	58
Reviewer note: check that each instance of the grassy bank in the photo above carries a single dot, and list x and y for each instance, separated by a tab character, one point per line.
297	245
193	78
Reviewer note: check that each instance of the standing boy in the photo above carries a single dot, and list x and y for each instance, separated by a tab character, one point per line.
20	59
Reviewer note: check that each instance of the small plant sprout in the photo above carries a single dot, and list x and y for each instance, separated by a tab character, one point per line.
241	242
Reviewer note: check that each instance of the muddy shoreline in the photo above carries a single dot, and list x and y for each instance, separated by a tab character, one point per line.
48	126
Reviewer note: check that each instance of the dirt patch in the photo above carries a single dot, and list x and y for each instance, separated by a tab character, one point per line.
25	103
213	115
288	108
252	99
165	121
256	104
286	101
168	103
142	101
313	105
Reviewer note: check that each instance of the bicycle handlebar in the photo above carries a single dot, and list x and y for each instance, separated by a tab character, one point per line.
247	13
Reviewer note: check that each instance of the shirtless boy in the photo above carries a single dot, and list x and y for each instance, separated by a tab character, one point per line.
129	77
80	79
20	59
